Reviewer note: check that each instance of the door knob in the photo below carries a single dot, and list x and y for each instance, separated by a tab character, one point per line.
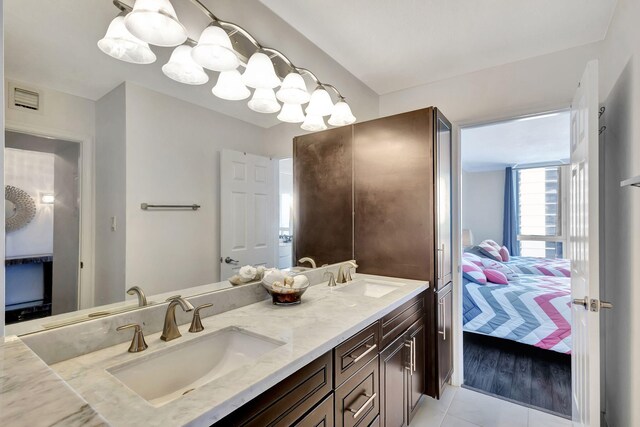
229	260
582	301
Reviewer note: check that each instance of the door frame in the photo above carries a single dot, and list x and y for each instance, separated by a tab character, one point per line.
457	378
86	255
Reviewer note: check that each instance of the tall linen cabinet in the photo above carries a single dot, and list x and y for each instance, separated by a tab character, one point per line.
379	192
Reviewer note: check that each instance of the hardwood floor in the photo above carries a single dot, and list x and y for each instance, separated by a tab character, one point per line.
519	372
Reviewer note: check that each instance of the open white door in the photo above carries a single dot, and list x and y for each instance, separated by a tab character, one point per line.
247	215
584	251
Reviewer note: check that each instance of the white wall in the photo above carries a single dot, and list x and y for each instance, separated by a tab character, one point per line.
33	172
110	188
172	156
620	75
533	85
483	204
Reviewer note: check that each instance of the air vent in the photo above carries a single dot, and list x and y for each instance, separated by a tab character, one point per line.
24	98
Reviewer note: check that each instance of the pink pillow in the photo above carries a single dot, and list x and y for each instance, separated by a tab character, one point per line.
492	243
473	273
504	253
502	268
488	250
495	276
473	258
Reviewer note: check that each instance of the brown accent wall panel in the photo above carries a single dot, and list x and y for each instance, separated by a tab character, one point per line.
393	173
323	206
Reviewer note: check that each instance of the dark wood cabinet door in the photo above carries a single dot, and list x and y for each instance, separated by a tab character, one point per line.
393	195
445	343
394	361
416	336
443	140
323	190
321	416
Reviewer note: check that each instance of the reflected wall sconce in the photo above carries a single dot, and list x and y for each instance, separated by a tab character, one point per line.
155	22
47	198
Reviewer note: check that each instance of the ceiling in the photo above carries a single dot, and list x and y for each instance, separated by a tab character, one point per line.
530	140
394	45
53	44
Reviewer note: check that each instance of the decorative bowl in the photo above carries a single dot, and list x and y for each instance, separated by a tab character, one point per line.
285	290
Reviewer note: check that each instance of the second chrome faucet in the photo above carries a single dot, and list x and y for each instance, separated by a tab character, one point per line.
170	330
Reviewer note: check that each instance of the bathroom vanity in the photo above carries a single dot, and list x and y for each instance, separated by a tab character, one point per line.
351	355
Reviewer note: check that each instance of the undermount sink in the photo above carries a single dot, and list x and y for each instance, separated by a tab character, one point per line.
370	288
167	375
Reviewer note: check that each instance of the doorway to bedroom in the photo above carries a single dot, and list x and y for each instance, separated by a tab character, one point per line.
516	275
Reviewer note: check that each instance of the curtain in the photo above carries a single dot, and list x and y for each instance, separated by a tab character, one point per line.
510	228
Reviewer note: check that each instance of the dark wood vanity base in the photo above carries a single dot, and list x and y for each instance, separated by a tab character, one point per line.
374	378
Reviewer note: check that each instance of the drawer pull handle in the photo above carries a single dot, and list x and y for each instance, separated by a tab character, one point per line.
356	413
410	368
370	348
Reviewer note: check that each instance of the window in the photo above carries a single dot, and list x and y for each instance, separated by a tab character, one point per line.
541	217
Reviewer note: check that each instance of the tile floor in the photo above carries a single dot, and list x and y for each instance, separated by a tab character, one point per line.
460	407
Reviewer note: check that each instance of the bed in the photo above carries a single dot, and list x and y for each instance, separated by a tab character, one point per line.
531	309
556	267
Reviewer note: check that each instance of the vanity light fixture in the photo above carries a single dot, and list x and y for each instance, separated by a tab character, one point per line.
291	113
260	73
341	114
183	69
47	199
293	90
119	43
264	101
313	123
155	22
214	51
230	86
320	103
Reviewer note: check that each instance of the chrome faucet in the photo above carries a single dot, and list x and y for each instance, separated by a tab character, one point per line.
309	260
344	273
137	290
170	330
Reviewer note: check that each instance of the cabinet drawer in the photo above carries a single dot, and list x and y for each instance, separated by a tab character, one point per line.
354	353
321	416
376	422
357	400
396	323
287	401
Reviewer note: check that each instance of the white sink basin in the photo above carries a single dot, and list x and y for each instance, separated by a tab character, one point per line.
167	375
370	288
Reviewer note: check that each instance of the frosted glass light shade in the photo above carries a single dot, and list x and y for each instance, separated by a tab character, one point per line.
293	90
313	123
291	113
320	103
156	22
119	43
264	101
214	50
183	69
230	86
260	72
341	114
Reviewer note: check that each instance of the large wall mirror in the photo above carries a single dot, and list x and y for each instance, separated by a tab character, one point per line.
133	179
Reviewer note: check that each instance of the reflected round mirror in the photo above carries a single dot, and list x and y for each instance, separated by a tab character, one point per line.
10	209
19	208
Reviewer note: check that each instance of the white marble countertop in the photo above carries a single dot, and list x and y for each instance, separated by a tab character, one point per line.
31	394
325	318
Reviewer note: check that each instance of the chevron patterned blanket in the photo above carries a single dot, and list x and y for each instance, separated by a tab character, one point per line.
533	310
540	266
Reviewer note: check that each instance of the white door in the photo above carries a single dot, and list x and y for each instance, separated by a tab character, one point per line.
248	230
584	251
